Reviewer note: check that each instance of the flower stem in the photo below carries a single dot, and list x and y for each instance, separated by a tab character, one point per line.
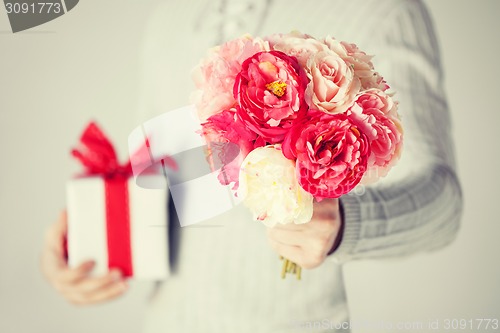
290	267
283	269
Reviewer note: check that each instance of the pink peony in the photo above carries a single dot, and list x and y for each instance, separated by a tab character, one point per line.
229	142
333	86
332	154
270	90
214	77
375	114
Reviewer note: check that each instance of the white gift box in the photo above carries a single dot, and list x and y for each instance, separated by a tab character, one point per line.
147	222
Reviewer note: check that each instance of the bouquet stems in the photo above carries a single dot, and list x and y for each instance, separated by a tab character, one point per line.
290	267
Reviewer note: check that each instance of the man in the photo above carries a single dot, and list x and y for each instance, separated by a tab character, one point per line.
226	279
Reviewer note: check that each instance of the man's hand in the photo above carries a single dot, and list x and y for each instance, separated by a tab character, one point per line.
75	284
308	244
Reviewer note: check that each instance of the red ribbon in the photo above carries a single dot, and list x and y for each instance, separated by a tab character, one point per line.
98	156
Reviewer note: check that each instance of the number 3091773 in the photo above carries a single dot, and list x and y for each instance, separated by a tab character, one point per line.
471	324
33	8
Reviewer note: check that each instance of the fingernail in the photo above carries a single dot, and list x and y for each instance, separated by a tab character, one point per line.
123	285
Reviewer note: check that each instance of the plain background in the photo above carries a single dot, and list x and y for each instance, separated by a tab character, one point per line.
86	65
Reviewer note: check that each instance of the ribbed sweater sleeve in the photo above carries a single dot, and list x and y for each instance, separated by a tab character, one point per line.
418	207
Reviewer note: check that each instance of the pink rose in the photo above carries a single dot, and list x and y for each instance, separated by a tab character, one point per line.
229	142
214	77
359	61
376	99
296	44
375	114
270	90
333	86
331	152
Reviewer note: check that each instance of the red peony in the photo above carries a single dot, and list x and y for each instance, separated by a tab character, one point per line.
331	153
270	94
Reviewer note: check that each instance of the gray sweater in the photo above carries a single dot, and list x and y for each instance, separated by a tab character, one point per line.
225	276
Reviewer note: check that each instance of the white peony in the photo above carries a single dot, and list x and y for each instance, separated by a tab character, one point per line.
268	186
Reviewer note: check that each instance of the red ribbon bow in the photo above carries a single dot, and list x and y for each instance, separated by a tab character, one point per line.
98	156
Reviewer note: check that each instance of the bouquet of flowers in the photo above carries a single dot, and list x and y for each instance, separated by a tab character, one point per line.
310	117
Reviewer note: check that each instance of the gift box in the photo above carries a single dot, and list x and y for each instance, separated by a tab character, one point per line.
111	219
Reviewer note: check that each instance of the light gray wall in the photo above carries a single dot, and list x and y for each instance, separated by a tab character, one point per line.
85	65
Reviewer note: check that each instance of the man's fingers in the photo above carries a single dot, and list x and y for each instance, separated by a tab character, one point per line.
62	222
286	237
105	293
291	252
102	293
73	275
110	292
291	226
92	285
89	290
308	244
56	233
297	255
61	225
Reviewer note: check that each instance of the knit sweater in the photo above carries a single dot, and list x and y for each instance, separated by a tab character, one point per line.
225	276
